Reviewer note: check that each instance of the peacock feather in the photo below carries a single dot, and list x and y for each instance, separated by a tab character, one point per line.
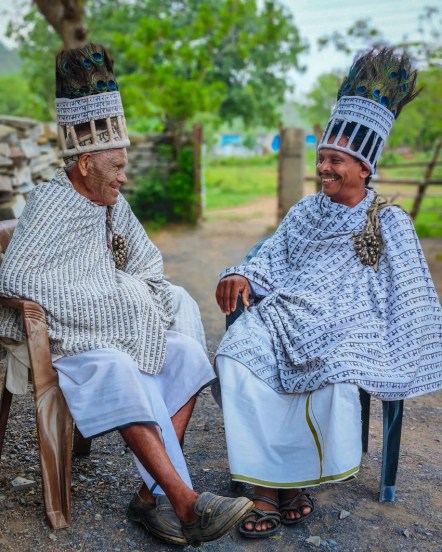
382	76
84	72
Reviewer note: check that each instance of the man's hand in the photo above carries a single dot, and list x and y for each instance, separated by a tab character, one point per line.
227	292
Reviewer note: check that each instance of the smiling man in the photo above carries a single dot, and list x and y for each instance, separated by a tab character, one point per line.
339	298
343	176
127	345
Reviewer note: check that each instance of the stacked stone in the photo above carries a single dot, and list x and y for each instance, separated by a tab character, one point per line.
143	156
28	156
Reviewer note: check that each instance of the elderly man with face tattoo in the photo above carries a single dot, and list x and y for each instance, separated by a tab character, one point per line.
339	298
127	345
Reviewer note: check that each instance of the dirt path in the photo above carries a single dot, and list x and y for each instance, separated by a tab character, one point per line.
104	483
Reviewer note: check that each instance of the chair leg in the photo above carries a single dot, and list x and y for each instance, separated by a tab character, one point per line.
82	445
54	422
54	428
392	422
364	397
5	406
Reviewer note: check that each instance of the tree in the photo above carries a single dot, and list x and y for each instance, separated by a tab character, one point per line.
66	17
420	126
362	35
16	98
320	100
37	46
178	58
224	57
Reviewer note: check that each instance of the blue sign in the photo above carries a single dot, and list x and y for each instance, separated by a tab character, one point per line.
275	143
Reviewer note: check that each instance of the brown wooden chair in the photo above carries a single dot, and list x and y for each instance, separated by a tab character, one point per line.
54	422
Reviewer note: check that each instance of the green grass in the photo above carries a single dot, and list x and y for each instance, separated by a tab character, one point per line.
230	185
238	181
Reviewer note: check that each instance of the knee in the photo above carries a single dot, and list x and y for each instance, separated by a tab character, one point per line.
118	361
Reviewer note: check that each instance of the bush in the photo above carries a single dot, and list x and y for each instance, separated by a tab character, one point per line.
167	194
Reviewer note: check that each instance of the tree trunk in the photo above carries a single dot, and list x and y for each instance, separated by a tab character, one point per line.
67	18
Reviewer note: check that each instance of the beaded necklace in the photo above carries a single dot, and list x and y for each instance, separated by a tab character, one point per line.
116	243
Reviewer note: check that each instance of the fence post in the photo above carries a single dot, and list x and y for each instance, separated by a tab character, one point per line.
197	188
290	168
423	185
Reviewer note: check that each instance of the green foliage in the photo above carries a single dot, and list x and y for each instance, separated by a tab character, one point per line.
321	99
218	56
178	58
167	195
10	62
420	125
38	45
16	98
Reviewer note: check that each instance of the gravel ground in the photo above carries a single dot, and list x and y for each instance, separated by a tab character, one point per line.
103	483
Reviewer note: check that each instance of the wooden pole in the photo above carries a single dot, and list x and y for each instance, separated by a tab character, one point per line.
290	168
197	187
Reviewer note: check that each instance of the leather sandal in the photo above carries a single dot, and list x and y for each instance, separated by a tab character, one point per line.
159	519
216	516
296	504
256	515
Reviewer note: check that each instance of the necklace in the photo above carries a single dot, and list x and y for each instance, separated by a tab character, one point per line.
116	243
368	243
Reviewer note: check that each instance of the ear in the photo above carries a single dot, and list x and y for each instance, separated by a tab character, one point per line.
365	171
84	163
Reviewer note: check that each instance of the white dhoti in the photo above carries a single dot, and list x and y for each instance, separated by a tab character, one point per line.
104	391
288	440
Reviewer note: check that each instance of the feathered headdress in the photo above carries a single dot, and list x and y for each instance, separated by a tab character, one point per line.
88	105
371	97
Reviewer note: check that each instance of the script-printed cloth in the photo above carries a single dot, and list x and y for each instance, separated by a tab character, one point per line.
326	318
59	257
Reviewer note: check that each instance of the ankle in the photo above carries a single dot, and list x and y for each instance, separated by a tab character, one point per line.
145	495
185	508
266	492
286	494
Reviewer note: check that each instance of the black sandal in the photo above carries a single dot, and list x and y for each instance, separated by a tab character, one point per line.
295	504
274	517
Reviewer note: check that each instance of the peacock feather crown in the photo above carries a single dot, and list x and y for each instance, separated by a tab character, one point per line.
88	104
379	84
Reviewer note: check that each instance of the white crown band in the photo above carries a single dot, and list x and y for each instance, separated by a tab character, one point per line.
367	119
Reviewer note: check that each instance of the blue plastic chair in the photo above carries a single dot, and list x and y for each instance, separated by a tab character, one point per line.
392	416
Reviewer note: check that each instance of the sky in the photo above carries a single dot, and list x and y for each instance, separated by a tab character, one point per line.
314	18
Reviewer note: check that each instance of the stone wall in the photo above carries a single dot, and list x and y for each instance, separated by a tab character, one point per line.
143	156
28	155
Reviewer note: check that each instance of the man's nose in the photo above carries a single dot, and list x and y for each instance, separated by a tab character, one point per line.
323	165
122	178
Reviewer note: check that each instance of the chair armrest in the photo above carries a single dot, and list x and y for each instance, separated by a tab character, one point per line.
44	376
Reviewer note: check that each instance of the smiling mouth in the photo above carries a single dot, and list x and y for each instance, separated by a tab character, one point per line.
328	179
